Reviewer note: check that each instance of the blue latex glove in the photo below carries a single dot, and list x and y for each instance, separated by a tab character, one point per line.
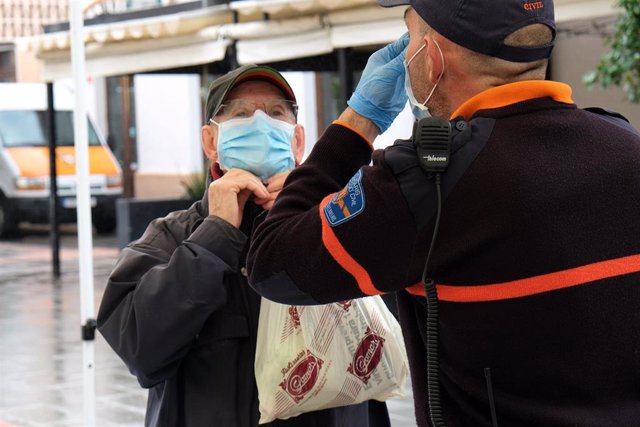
380	94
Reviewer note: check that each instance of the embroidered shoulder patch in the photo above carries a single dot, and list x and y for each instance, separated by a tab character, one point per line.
347	203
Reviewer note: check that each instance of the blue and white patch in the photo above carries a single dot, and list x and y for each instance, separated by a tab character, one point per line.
347	203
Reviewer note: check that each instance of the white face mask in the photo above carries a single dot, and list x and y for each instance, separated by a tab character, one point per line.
420	109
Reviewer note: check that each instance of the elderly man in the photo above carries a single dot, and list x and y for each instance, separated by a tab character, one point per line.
533	283
177	308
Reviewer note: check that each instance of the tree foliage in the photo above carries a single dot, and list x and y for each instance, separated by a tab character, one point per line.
621	66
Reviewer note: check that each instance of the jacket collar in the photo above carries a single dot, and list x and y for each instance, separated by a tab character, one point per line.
513	93
214	173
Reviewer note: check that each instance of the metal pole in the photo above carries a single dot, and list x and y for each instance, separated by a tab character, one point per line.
54	232
345	71
83	195
127	142
232	51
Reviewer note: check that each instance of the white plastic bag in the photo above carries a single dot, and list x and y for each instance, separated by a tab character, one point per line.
315	357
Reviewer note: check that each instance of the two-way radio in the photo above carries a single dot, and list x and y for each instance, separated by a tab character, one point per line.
432	138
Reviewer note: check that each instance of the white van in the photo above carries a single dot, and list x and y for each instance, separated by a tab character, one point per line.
24	160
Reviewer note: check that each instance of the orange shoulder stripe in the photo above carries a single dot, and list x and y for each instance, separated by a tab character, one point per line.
342	257
537	284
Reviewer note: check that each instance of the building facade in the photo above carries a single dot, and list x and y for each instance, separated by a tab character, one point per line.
25	18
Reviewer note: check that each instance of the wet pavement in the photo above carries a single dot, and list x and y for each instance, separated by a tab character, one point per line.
41	370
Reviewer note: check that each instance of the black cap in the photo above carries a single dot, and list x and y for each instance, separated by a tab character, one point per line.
221	86
482	25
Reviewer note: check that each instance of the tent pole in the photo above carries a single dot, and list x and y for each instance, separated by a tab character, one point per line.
83	195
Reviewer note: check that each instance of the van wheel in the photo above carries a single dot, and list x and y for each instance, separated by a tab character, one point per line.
105	224
8	224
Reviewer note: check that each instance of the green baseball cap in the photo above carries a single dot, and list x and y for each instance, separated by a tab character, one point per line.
221	86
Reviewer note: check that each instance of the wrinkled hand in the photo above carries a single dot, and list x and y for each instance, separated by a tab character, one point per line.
274	185
380	94
228	194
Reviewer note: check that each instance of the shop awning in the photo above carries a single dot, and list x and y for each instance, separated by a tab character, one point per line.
137	45
138	56
279	40
265	31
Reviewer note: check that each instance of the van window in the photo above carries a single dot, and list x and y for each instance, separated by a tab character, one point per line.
27	129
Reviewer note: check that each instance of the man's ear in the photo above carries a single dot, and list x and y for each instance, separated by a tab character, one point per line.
297	145
435	58
209	139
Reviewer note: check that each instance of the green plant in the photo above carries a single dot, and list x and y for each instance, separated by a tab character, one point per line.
194	186
621	66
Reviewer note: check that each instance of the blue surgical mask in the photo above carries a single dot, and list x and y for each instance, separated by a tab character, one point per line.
420	109
258	144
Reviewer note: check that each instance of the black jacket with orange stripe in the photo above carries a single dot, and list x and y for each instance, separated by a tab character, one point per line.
537	260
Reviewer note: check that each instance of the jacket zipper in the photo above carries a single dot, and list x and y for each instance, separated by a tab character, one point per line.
492	403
